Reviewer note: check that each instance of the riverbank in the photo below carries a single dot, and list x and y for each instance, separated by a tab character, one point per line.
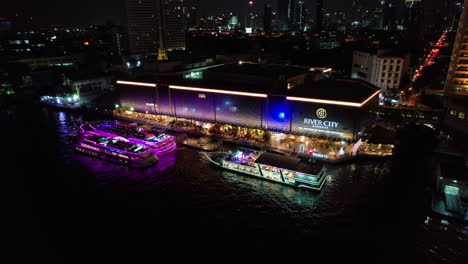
290	145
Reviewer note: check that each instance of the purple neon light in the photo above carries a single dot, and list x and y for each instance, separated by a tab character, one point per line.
154	144
128	152
115	160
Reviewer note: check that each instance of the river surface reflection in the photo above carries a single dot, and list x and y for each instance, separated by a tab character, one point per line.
68	204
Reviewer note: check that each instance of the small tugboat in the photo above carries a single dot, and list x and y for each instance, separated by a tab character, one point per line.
278	168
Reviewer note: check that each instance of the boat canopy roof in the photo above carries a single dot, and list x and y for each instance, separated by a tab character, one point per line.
289	163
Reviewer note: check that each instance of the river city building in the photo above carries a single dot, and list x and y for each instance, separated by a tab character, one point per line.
279	98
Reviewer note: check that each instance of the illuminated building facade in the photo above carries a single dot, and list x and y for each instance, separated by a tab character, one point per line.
456	89
278	98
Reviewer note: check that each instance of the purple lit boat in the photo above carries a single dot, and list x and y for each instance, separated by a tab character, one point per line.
116	150
159	141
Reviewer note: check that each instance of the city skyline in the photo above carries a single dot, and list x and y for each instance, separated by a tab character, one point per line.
98	12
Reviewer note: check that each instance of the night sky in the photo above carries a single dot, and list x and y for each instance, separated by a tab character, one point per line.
98	11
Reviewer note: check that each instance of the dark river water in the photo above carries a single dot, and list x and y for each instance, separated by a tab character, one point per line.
64	207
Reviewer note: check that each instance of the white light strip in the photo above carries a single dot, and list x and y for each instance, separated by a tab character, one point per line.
216	91
320	101
137	83
291	98
368	99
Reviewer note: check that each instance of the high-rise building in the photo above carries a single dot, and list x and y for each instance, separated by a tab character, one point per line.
143	25
319	16
191	16
267	18
174	24
300	15
415	19
286	13
456	88
389	13
382	68
283	6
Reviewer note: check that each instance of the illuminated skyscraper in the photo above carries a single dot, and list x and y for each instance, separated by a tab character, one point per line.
143	19
456	88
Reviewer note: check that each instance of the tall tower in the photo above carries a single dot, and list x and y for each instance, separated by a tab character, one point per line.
267	18
456	87
389	12
319	16
250	15
142	20
286	12
283	13
174	24
162	51
300	14
415	19
150	21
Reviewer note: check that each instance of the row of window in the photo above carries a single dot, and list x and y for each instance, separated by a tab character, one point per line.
408	115
460	89
462	68
392	61
389	81
461	75
360	67
460	115
391	68
390	75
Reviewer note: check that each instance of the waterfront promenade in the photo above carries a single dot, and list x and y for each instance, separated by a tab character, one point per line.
209	137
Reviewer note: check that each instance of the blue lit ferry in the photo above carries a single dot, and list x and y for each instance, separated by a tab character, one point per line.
117	150
159	141
278	168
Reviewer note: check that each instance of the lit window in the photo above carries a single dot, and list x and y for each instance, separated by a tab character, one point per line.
461	115
453	112
203	96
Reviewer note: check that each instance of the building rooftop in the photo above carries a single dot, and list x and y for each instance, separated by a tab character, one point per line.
273	71
329	91
347	90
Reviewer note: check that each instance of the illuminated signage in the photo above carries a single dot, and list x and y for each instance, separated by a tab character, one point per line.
318	155
321	113
321	123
